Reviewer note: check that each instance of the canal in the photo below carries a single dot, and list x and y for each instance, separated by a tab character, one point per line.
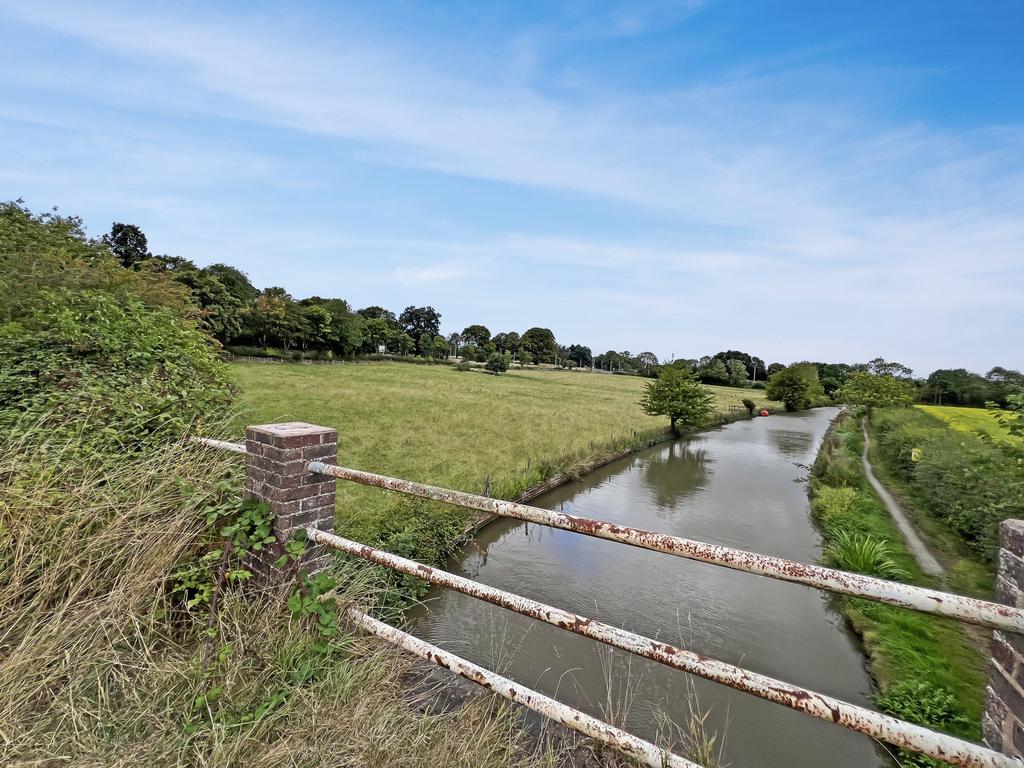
742	485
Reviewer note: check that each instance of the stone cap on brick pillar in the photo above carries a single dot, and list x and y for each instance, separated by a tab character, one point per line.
291	434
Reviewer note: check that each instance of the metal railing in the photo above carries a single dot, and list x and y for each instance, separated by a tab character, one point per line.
877	725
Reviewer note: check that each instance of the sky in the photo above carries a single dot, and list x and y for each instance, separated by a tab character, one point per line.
823	181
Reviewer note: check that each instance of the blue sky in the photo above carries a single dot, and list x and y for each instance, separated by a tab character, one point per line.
798	180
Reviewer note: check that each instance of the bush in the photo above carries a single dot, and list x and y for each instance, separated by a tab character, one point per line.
108	372
497	363
750	405
925	704
463	365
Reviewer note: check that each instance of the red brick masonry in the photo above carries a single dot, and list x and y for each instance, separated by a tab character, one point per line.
275	465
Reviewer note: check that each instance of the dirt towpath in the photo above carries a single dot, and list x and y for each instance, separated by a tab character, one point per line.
917	547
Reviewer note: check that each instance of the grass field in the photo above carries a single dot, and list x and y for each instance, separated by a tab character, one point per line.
973	420
437	425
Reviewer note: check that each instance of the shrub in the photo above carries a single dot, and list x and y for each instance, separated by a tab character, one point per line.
497	363
750	405
108	372
925	704
463	365
863	553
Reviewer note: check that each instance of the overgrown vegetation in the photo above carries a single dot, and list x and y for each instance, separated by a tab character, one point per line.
967	482
123	637
926	669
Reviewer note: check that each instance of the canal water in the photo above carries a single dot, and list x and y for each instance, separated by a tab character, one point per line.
742	485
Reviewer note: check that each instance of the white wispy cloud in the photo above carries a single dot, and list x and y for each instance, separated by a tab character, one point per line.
761	193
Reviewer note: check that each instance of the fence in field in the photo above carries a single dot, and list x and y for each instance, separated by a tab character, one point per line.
292	467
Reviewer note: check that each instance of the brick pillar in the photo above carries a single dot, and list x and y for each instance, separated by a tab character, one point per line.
1003	721
275	466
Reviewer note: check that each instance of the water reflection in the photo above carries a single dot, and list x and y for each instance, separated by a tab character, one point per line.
674	474
734	485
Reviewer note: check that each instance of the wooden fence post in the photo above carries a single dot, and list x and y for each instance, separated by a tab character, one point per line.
1003	721
275	467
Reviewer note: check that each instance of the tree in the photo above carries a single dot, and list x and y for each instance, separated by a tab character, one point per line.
378	313
540	343
883	367
454	340
506	342
736	372
579	354
647	362
267	318
525	358
874	390
416	321
235	281
477	335
128	243
795	386
713	370
497	362
680	397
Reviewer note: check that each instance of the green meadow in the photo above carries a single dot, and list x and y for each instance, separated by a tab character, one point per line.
462	430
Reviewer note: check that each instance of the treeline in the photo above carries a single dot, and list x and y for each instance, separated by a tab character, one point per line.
270	322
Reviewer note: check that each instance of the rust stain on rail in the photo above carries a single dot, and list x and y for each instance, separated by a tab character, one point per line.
875	724
969	609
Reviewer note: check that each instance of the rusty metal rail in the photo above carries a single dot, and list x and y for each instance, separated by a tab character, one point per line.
969	609
222	444
617	739
883	727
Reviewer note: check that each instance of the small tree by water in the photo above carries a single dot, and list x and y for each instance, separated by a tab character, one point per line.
677	395
796	386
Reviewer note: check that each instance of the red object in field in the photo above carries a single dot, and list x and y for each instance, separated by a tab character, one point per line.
764	413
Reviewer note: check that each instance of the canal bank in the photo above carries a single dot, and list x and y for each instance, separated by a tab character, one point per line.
742	485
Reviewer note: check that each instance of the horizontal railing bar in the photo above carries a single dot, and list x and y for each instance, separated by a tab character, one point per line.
222	444
883	727
969	609
619	740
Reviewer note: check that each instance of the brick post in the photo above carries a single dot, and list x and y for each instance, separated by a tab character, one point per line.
1003	721
275	466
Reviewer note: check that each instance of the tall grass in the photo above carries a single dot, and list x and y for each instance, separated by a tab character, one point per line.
99	667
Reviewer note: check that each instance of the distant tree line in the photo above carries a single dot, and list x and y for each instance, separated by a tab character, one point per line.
244	317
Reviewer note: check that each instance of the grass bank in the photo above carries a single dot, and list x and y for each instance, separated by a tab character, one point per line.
926	669
464	430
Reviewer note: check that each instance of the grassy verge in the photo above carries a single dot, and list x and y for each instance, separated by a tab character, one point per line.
926	669
462	430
